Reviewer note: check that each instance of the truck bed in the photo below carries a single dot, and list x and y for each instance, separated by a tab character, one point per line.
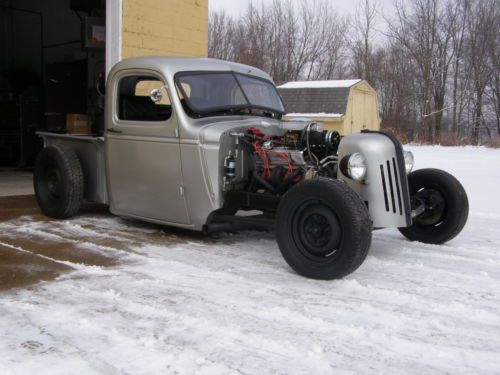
90	151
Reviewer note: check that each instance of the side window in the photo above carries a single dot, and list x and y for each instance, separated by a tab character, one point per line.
135	104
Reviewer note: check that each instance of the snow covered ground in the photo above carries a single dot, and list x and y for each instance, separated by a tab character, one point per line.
183	304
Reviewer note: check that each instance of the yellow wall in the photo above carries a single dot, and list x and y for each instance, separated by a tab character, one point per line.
165	28
337	124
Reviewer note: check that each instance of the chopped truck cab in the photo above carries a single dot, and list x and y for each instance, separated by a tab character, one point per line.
194	143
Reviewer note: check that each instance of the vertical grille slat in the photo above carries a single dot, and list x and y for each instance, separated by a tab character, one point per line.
398	188
385	187
393	200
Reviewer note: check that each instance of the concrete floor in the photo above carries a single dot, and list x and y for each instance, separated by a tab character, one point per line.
14	182
27	260
35	248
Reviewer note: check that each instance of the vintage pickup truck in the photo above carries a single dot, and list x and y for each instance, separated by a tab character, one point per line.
199	144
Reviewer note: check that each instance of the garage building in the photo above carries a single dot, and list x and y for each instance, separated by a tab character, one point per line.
54	56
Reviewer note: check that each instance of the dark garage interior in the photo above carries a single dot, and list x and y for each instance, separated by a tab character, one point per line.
52	64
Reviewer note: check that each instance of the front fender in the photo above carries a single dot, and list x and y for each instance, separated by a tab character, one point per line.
385	188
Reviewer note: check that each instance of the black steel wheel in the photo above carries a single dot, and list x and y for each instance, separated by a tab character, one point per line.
323	229
58	182
316	230
443	203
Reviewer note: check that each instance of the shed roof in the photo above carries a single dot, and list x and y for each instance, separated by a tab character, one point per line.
320	97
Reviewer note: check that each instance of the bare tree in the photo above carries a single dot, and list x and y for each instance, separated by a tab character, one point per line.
416	29
448	22
459	80
283	41
493	87
289	42
362	27
328	52
221	33
253	37
396	90
482	28
438	57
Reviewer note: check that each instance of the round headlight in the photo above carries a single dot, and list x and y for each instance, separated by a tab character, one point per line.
408	155
356	166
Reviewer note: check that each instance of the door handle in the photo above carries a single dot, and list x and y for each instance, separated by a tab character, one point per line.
113	130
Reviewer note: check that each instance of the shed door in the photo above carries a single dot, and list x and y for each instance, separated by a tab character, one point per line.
360	111
143	153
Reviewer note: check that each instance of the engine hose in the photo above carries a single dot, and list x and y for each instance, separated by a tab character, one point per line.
264	183
288	181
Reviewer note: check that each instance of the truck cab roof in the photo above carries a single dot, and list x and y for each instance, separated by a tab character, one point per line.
169	66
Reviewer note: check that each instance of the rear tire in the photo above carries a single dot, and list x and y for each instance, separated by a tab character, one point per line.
323	229
58	182
447	206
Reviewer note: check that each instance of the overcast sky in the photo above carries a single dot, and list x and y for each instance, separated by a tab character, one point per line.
235	7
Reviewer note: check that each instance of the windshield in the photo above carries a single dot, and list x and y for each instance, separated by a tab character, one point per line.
206	94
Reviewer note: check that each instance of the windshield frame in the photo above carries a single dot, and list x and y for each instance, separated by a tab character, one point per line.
235	74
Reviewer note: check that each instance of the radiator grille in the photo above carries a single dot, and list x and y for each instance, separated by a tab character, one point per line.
392	187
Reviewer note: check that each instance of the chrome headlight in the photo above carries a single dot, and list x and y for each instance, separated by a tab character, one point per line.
355	166
409	161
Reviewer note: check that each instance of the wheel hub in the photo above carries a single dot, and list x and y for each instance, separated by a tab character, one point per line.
318	231
435	207
53	178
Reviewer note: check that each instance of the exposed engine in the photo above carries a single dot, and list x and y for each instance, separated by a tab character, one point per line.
277	162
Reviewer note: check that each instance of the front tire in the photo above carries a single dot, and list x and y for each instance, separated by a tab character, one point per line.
446	206
323	229
58	182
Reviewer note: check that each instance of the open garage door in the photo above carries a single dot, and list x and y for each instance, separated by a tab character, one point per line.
52	64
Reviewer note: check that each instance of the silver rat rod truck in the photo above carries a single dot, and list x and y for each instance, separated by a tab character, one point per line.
194	143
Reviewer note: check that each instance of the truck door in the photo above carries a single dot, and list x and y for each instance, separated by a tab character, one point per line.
142	151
